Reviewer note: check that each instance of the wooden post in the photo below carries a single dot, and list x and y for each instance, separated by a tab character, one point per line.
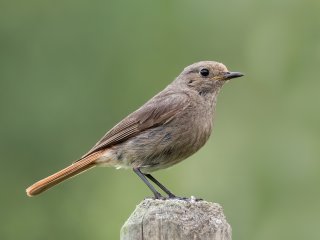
174	219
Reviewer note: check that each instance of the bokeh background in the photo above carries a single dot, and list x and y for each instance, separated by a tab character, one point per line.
70	70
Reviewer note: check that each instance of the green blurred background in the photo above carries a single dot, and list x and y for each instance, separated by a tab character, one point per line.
70	70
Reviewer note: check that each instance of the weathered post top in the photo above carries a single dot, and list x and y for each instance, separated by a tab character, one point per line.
174	219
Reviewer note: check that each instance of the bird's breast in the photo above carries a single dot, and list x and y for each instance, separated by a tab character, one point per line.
165	145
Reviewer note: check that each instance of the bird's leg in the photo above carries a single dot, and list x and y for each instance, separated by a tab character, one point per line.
157	195
170	194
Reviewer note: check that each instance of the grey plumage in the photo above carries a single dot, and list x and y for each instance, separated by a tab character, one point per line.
168	128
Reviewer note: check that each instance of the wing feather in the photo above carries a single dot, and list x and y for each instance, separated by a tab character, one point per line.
158	111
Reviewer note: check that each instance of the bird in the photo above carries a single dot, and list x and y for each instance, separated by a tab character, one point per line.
170	127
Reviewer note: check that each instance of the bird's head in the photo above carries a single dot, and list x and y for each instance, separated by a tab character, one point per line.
206	76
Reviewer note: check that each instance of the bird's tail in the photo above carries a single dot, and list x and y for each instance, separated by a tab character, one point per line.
64	174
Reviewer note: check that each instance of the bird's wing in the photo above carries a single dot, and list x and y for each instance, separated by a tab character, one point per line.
158	111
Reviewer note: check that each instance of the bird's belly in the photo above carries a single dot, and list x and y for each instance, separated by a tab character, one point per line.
158	148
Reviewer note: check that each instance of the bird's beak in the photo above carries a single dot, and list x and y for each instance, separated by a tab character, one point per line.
230	75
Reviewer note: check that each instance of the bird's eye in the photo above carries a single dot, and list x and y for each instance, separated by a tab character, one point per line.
204	72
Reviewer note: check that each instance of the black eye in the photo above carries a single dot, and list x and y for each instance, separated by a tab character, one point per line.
204	72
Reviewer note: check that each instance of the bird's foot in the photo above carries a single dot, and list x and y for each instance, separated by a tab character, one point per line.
172	197
157	195
156	198
191	199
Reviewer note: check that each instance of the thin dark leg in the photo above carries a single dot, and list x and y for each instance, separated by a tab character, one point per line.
170	194
157	195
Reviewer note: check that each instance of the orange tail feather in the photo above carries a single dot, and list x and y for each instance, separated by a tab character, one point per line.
64	174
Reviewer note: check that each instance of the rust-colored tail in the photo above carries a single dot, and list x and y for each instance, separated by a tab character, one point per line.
66	173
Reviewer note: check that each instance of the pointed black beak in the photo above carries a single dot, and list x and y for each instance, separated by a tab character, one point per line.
230	75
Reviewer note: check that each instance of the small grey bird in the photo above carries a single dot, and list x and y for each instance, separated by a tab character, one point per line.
167	129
